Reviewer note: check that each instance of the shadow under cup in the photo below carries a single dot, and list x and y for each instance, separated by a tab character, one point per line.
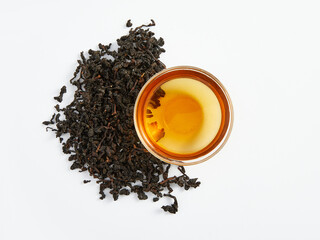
148	91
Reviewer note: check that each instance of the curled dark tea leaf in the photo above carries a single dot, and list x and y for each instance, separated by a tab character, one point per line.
173	208
129	24
62	91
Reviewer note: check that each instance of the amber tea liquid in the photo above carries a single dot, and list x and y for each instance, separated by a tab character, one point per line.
183	116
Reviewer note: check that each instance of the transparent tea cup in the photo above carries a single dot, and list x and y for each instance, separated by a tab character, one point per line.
226	111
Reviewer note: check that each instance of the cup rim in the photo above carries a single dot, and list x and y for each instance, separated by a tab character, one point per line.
216	148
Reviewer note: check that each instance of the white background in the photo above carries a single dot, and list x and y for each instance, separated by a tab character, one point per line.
265	183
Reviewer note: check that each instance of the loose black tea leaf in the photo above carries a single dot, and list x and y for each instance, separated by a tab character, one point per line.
98	126
173	208
62	91
129	24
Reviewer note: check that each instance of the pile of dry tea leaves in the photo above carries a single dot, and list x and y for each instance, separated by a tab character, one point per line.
97	131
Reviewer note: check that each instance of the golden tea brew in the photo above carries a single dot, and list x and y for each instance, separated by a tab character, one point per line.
183	116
